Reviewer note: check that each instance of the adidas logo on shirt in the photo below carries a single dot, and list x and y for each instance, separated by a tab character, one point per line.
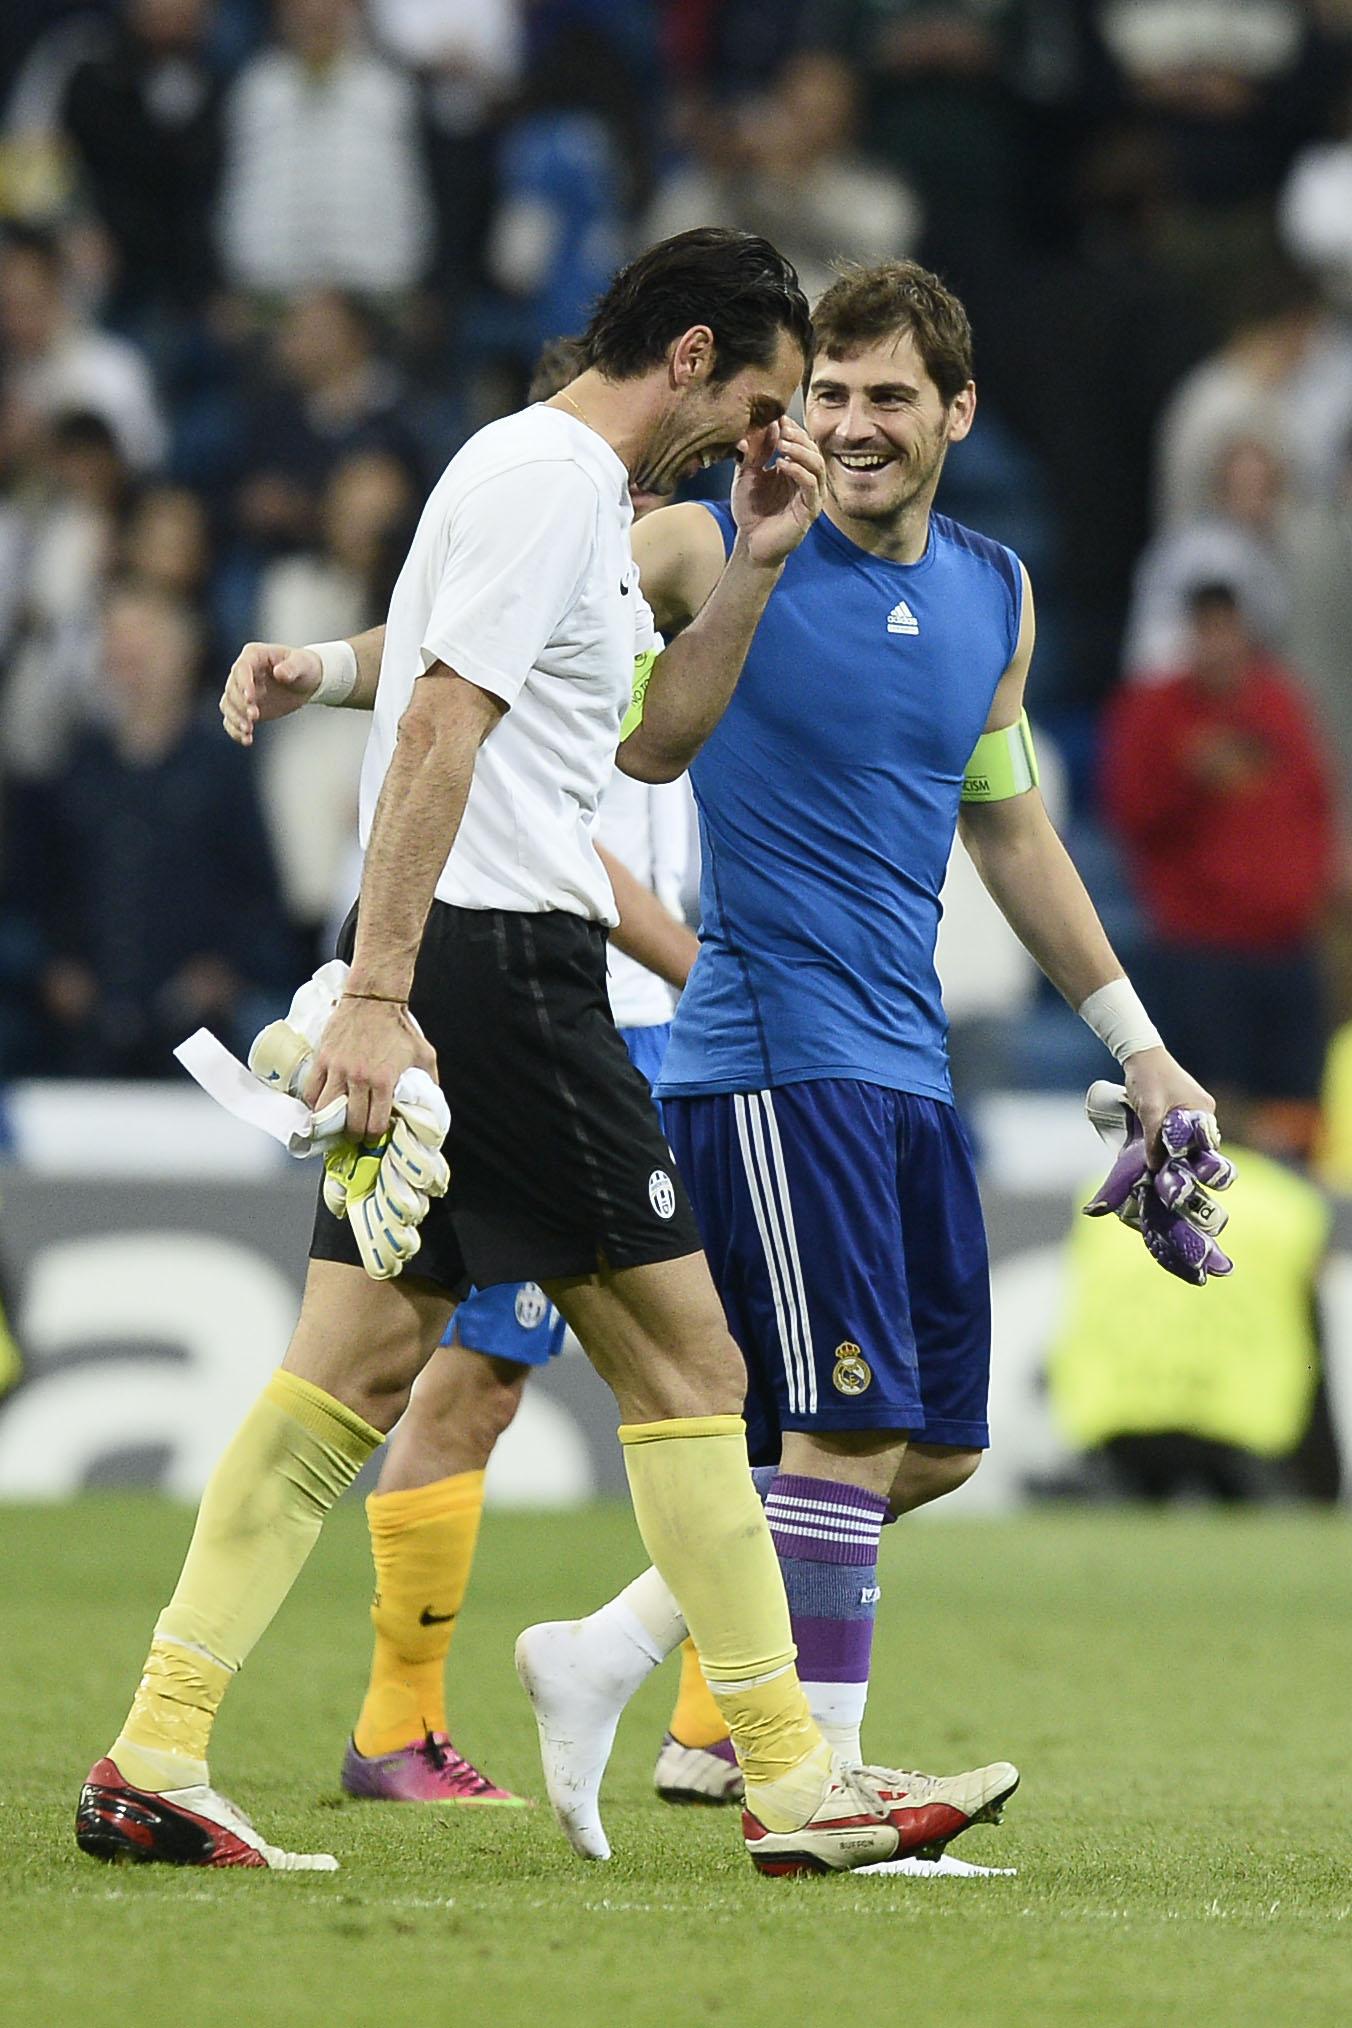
901	620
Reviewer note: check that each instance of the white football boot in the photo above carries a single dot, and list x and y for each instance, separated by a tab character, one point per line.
870	1814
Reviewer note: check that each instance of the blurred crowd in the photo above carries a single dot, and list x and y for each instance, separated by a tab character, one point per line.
265	263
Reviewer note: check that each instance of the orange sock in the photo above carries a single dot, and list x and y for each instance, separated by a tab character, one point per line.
422	1544
696	1720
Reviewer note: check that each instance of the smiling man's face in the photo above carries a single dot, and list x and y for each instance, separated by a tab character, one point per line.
710	420
883	427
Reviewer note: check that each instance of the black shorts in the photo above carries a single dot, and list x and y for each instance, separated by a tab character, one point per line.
559	1166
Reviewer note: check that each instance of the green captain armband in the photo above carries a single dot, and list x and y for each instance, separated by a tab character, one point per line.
1003	764
643	669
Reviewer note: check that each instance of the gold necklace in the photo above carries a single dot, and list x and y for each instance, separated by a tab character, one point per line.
565	396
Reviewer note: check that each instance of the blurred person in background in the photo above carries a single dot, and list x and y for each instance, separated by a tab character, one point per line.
566	182
787	165
1288	554
11	1358
142	113
122	864
1315	212
1283	377
54	358
1222	1399
1229	88
1240	540
324	182
1226	91
940	106
467	60
1218	782
60	538
1320	634
166	542
311	762
327	389
717	50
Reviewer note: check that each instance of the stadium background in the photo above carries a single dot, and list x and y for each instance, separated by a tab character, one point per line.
263	267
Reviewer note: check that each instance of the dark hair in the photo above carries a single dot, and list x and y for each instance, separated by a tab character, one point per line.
870	303
83	429
559	362
736	283
1211	595
36	240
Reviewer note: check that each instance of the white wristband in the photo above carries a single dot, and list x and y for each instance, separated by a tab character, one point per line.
338	662
1119	1020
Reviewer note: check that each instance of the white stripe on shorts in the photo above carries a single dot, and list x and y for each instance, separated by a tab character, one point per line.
780	1248
767	1099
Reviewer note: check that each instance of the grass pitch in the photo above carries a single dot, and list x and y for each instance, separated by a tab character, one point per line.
1175	1689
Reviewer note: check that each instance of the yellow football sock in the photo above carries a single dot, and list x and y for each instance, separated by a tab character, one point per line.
697	1720
294	1453
704	1527
422	1545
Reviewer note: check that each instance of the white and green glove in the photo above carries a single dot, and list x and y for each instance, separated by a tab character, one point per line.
383	1188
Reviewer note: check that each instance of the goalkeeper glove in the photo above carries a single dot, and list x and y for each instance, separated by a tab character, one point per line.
1169	1207
383	1187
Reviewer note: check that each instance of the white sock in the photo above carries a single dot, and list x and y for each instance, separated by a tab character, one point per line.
643	1615
579	1675
839	1710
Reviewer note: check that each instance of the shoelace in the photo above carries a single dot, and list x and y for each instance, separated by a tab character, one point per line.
867	1784
446	1760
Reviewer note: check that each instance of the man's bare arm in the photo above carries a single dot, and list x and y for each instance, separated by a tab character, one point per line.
370	1040
269	681
1033	881
680	558
647	930
775	501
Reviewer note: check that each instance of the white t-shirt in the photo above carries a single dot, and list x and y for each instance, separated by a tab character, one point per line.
520	579
647	826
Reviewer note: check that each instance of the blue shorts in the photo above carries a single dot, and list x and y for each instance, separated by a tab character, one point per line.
516	1320
512	1320
844	1232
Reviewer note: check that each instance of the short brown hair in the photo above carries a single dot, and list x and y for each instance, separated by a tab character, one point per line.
870	303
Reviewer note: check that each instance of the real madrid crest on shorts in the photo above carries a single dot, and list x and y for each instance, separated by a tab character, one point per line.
532	1305
852	1372
662	1193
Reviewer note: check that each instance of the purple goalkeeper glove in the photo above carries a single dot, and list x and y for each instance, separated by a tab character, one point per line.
1169	1207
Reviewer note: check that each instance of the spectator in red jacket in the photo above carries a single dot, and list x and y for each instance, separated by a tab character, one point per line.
1218	783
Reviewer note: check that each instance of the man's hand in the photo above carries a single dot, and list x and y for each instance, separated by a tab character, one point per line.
1156	1084
381	1184
1169	1205
362	1054
267	681
778	493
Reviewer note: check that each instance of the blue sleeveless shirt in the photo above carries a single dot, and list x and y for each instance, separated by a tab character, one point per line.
828	799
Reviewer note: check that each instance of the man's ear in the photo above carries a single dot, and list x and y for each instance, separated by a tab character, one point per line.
962	413
691	358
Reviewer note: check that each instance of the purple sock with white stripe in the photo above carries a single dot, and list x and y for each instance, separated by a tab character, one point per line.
826	1536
